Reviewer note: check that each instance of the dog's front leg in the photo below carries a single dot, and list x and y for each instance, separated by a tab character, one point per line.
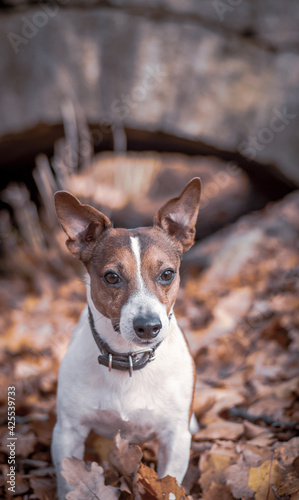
67	442
174	454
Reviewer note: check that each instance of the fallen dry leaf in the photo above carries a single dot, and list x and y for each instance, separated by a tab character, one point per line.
87	484
151	487
290	482
25	443
125	457
237	479
101	445
221	429
261	478
254	455
252	431
21	486
264	440
213	464
217	491
44	488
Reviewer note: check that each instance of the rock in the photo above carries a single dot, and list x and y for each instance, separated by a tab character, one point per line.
181	70
269	22
131	188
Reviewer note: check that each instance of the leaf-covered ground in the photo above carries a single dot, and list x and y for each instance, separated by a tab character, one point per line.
239	307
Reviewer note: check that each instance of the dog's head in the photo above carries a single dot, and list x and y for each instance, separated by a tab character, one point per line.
134	274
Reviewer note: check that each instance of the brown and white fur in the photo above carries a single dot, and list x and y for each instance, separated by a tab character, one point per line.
143	265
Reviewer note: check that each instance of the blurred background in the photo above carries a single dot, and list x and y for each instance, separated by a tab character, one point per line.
122	102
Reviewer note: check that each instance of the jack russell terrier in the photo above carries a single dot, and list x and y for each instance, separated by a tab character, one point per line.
128	367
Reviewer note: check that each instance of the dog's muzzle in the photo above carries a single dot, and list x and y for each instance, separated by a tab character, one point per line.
128	361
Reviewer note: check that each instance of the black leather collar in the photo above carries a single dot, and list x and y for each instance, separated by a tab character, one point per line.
127	361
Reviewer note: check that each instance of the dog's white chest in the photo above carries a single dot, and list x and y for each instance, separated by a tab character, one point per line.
125	404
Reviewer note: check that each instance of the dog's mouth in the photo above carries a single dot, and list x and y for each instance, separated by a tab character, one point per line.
143	343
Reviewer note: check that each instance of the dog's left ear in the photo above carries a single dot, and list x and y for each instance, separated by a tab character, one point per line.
178	216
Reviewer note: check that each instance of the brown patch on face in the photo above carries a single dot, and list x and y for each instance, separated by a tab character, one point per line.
113	253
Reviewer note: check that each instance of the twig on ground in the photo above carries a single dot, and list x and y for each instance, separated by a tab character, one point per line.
245	415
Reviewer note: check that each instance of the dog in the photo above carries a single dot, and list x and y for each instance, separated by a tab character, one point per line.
128	367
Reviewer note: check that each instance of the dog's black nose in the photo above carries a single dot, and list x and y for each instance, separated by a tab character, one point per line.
147	327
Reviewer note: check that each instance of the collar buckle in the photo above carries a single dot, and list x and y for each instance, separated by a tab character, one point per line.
130	365
110	359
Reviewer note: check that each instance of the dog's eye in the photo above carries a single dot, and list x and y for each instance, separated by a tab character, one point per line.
112	278
167	275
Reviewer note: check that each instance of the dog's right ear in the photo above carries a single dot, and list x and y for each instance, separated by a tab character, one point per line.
82	223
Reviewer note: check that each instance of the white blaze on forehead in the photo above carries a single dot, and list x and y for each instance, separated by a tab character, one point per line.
136	251
141	302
